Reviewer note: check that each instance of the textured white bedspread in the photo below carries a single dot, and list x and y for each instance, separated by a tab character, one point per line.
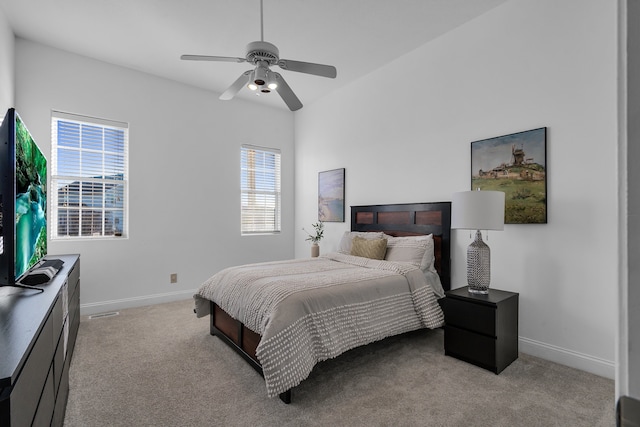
309	310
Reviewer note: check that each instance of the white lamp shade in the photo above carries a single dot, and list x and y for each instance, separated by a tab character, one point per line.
477	210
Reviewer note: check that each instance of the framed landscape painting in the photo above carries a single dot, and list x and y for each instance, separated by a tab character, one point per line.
331	196
515	164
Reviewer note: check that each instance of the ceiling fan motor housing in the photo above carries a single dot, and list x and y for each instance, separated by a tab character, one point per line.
262	51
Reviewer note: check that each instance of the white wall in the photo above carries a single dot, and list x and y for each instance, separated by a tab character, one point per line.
184	174
403	134
6	65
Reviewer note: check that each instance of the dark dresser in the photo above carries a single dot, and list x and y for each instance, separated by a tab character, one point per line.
37	335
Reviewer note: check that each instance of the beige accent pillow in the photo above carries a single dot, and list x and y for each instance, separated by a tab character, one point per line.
368	248
347	237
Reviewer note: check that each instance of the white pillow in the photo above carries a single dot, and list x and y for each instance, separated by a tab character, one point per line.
419	251
429	256
411	249
347	237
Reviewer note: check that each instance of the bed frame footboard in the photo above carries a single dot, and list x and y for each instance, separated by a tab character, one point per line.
241	339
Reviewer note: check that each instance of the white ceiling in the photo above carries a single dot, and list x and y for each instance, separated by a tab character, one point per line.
356	36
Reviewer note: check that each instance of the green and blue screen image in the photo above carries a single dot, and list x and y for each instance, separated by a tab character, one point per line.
31	201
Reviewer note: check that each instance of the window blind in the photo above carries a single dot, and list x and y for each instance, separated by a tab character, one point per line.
260	190
89	176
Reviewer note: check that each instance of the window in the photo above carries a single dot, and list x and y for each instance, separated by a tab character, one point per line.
89	177
259	190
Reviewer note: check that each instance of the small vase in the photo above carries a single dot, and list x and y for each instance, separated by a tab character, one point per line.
315	250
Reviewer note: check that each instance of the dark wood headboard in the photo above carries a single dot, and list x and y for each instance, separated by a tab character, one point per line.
412	219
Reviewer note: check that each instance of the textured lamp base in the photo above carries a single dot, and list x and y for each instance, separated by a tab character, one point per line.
478	266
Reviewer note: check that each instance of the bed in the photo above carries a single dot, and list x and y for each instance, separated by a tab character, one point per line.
284	317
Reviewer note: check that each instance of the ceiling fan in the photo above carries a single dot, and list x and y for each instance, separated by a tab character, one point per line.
262	55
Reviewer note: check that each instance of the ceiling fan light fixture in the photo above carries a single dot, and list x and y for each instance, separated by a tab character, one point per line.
251	85
272	84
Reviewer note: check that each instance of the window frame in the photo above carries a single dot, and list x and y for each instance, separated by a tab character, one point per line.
276	193
83	177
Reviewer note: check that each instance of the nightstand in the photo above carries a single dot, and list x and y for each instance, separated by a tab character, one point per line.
481	329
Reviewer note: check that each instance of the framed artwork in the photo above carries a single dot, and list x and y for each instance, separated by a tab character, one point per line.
515	164
331	195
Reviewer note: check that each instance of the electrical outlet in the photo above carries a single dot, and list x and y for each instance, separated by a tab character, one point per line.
174	278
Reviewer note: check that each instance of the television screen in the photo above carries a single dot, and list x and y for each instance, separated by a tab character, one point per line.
23	200
31	201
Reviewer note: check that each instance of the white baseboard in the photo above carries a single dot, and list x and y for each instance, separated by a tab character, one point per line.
120	304
573	359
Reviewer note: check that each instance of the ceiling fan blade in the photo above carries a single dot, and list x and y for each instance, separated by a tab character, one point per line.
308	68
287	94
236	86
212	58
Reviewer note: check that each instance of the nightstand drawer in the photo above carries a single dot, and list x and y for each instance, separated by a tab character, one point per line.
479	318
470	347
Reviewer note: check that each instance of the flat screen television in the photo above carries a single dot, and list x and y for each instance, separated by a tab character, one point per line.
23	201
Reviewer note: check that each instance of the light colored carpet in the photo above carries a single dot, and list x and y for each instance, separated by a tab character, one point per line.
158	366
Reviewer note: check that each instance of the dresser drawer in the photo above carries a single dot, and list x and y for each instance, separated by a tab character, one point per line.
478	318
44	414
470	347
28	388
74	278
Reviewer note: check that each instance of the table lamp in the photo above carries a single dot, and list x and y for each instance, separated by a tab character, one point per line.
478	210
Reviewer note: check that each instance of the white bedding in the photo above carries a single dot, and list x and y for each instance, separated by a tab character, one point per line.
314	309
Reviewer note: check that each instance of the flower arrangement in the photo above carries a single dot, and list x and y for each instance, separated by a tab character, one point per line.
319	227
